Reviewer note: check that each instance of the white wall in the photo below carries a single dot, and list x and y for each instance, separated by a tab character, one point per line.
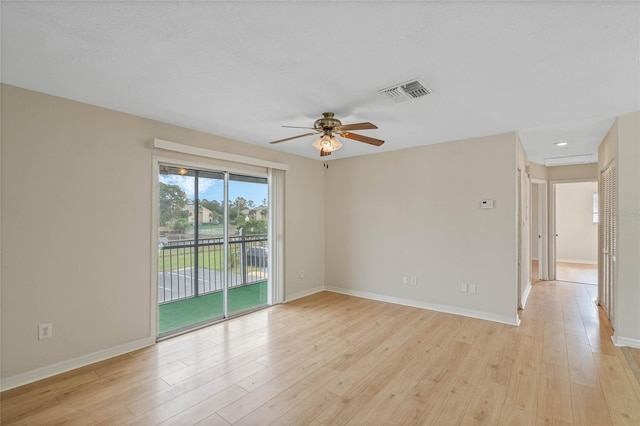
76	226
416	212
577	239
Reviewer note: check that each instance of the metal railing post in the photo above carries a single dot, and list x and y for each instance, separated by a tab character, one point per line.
243	256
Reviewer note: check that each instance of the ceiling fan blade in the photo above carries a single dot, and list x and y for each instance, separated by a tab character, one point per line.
356	126
294	137
297	127
361	138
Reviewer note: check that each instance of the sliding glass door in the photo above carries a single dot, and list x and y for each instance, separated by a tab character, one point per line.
212	246
248	248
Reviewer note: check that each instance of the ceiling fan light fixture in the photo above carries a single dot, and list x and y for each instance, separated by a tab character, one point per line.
327	143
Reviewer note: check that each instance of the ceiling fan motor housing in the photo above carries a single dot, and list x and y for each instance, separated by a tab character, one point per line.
327	122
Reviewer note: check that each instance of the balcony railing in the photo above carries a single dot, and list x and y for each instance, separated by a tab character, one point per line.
248	257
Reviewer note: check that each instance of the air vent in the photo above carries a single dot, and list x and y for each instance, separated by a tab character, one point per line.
411	89
565	161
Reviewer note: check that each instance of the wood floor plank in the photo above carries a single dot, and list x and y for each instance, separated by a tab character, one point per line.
589	406
409	381
459	395
486	405
582	368
165	404
618	390
513	416
276	407
336	359
554	395
204	409
308	409
522	391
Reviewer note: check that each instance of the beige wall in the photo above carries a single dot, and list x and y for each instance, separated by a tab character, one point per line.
537	171
622	144
76	225
535	218
576	171
525	223
627	320
577	239
416	212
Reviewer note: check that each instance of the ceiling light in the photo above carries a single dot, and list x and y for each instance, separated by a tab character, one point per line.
327	143
561	143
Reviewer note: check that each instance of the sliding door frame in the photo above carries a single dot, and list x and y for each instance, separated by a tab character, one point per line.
212	166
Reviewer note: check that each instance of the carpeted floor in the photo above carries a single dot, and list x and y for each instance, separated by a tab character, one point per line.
190	311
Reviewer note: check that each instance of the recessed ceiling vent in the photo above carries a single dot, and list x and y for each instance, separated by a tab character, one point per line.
411	89
564	161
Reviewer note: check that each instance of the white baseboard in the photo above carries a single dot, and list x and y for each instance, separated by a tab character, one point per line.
64	366
623	341
585	261
525	296
303	293
426	305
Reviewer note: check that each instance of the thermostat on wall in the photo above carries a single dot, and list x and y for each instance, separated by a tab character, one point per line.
486	204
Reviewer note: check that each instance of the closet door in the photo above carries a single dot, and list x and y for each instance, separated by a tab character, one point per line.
608	237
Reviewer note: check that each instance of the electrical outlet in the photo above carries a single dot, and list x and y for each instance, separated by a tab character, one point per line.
414	281
464	287
45	331
405	279
473	289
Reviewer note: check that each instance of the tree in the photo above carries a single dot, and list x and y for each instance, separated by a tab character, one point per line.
254	226
214	206
240	220
264	208
172	202
240	203
180	226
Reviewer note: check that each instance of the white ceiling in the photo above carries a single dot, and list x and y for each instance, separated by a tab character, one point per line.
549	70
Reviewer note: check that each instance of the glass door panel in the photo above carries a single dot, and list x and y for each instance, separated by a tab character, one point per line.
248	252
189	272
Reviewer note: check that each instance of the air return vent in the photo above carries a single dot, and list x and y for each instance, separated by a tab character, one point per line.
564	161
411	89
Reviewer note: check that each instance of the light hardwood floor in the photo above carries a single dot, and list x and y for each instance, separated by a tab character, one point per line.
577	272
574	272
333	359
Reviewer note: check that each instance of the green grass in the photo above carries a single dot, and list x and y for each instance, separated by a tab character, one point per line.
186	312
210	258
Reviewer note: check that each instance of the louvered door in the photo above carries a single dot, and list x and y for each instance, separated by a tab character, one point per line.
608	237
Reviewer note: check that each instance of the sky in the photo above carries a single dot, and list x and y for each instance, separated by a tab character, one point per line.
212	189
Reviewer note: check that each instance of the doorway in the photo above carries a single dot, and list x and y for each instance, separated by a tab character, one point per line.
538	238
213	246
576	232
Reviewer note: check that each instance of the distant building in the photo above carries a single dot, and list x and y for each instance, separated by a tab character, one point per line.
204	215
256	212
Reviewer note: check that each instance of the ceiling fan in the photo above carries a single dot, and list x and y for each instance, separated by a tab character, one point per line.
329	127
